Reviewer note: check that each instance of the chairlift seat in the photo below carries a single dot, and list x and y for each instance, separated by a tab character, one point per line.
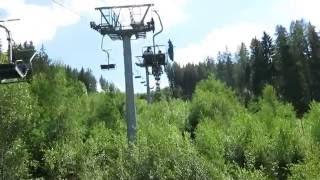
161	59
107	66
148	59
11	71
151	59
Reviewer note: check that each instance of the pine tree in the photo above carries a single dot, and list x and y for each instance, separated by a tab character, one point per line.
299	93
268	54
220	67
104	84
88	80
259	72
244	64
314	62
229	69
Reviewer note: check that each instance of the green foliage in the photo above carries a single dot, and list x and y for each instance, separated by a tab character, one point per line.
53	129
210	142
290	63
219	106
3	58
59	127
309	169
16	113
162	151
183	80
105	108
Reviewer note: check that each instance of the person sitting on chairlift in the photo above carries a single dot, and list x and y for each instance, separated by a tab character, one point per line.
148	51
147	56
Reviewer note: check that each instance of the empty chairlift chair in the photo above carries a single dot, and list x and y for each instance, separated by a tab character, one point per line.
106	66
17	71
14	70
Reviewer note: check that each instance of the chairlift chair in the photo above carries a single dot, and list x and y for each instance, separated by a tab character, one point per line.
12	71
16	70
106	66
150	58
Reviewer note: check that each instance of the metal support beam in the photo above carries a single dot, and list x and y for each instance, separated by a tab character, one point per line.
130	104
148	86
121	7
104	16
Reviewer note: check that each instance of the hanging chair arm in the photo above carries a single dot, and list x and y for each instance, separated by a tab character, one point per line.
156	34
9	42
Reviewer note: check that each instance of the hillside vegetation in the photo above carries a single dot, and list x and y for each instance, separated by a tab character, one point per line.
58	126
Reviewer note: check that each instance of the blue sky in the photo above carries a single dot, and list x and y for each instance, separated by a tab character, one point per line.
197	28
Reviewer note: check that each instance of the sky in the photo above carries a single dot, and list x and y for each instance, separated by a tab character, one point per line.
197	28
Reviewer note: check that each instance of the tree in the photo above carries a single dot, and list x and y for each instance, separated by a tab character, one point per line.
229	69
268	54
220	67
314	62
259	72
243	73
41	62
107	86
299	93
88	79
23	52
17	112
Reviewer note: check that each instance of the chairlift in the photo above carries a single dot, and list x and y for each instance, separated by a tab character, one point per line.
142	82
137	77
106	66
150	56
157	78
16	70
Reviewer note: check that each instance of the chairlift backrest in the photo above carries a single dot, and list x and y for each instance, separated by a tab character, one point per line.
151	59
15	69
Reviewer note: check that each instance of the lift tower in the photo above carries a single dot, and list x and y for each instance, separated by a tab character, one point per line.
110	25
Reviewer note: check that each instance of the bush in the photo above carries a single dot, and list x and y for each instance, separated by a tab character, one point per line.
212	100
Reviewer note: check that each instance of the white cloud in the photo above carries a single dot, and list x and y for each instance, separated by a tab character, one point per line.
40	23
308	9
229	36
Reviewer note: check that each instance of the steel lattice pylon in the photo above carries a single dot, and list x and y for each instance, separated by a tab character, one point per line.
110	25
